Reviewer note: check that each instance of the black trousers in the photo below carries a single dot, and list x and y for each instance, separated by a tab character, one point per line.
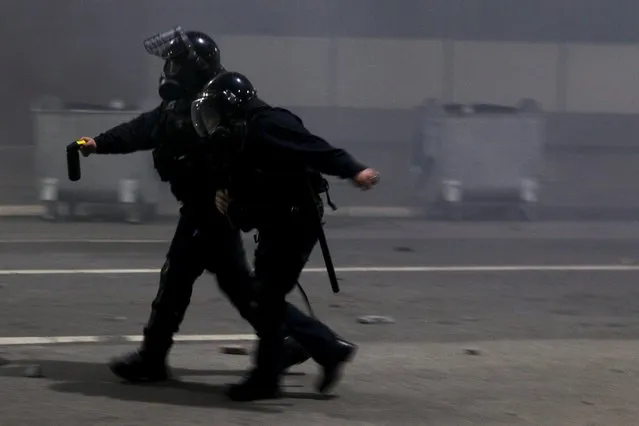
214	246
283	250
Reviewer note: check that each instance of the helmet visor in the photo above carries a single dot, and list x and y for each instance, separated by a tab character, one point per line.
170	44
204	116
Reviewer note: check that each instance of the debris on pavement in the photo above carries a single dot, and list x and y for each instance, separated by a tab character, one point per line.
375	319
472	351
33	371
115	319
403	249
234	350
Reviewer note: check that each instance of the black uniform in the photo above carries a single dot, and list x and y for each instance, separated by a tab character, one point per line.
203	241
278	151
274	183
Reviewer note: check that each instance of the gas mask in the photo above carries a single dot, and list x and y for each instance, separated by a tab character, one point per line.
178	81
184	71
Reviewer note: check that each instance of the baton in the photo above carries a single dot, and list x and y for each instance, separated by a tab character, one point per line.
73	160
321	236
326	253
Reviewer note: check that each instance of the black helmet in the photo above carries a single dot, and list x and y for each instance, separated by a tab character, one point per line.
223	100
203	51
191	59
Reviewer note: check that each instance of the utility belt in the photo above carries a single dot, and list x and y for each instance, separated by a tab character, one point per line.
321	186
307	206
249	216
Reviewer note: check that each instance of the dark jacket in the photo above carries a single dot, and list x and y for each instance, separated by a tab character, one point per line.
167	131
280	158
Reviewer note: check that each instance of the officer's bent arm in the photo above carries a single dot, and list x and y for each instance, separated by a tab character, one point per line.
134	135
284	133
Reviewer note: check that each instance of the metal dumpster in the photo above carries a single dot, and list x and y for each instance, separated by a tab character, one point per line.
479	154
125	185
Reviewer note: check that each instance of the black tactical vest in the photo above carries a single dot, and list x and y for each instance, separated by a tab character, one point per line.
177	158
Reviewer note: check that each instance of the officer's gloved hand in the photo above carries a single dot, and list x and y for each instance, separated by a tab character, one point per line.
366	178
222	201
89	146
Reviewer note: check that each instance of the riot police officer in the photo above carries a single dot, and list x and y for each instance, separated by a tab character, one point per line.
203	239
271	178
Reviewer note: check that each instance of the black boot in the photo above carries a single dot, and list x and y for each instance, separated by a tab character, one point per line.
332	370
263	381
293	354
143	365
254	387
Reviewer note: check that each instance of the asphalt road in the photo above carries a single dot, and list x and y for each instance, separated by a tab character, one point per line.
494	324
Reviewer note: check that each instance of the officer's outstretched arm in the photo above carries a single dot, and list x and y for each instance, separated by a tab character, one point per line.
134	135
286	134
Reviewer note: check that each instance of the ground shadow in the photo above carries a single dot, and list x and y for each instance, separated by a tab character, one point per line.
95	380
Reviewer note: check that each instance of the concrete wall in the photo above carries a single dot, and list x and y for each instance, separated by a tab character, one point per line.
354	68
48	55
399	73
